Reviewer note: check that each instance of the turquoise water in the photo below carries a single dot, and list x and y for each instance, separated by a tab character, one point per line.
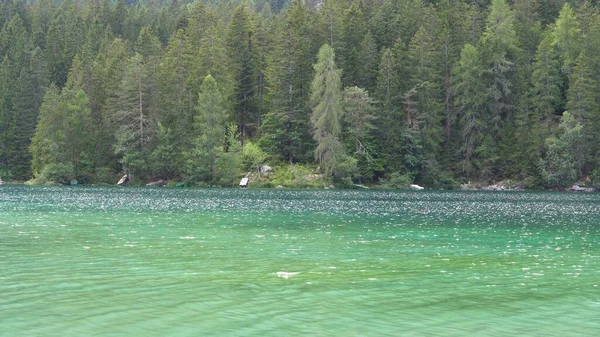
107	261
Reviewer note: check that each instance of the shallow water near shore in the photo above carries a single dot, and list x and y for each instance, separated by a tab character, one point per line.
108	261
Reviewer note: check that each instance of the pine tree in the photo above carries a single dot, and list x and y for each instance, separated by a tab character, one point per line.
470	98
109	65
176	99
560	167
427	117
18	109
389	118
243	61
584	109
135	117
358	120
210	123
354	32
209	60
41	17
545	98
368	63
332	27
385	24
201	19
63	132
567	37
49	136
286	126
498	49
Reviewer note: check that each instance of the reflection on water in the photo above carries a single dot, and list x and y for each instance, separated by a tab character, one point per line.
188	262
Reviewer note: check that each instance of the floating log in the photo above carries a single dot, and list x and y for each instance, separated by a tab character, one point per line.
123	181
159	183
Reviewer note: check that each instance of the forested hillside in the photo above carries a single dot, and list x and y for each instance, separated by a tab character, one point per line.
370	91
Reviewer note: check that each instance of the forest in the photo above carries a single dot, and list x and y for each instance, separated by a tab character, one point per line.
374	92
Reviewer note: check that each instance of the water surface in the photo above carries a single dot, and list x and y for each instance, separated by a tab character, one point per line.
107	261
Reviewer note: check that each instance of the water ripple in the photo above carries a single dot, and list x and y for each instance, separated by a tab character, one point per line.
106	261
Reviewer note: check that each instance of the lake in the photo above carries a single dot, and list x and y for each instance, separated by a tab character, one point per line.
110	261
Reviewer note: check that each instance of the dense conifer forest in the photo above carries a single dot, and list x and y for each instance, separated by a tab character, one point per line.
353	91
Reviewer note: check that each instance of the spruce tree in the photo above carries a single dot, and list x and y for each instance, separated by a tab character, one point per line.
545	98
389	118
470	99
567	37
209	124
176	99
242	56
135	117
427	117
584	109
286	127
359	130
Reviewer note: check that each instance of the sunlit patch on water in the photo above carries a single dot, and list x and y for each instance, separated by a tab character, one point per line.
157	262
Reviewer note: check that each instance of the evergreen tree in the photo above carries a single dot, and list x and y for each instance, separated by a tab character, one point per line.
389	120
109	65
49	135
135	117
498	48
209	60
286	128
559	168
545	99
62	134
470	98
567	37
427	117
18	109
243	61
332	27
176	99
358	121
354	32
210	124
166	160
584	109
385	24
368	63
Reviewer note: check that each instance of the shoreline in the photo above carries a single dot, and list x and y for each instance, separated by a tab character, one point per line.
497	187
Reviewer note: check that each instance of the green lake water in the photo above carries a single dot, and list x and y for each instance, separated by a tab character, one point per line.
108	261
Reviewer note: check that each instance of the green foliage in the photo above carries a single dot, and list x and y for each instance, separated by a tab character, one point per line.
242	55
166	160
560	166
595	178
297	176
456	89
58	173
135	116
470	98
286	126
326	99
253	157
396	180
229	159
105	175
209	123
567	37
359	118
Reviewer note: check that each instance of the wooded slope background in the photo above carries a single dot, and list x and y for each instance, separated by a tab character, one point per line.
435	92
